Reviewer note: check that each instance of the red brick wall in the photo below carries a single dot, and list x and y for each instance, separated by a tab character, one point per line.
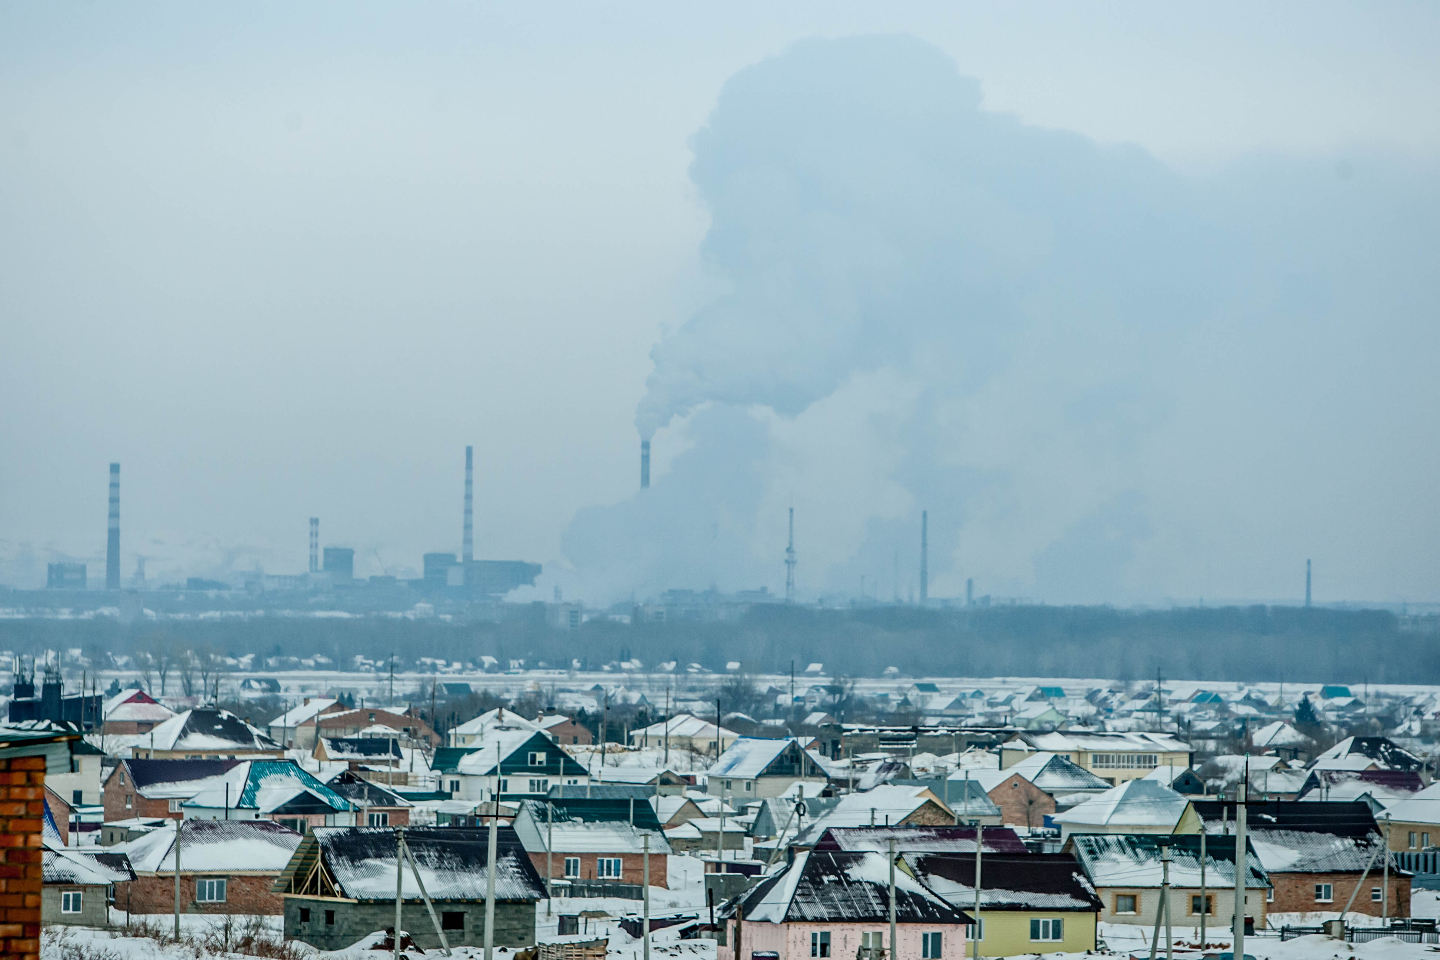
22	819
632	868
156	894
570	733
128	727
114	797
1295	893
1022	803
60	812
929	814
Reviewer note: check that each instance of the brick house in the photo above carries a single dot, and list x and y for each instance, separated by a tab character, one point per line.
375	806
206	733
351	723
340	886
1021	802
563	729
1315	853
597	839
296	727
835	904
885	806
278	790
147	789
133	711
25	758
226	866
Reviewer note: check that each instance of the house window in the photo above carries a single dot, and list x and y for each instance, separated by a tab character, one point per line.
820	944
71	900
329	918
537	758
175	805
1124	761
454	786
572	868
729	785
1376	895
372	717
452	920
748	785
1424	840
872	940
381	819
77	797
608	868
1047	929
1196	908
539	786
127	807
1127	903
1324	893
304	914
1269	895
970	930
122	777
210	890
930	946
1412	839
505	786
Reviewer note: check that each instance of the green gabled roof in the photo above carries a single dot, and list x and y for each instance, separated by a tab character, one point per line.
270	770
446	759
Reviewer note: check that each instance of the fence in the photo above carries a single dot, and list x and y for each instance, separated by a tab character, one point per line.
1406	931
598	888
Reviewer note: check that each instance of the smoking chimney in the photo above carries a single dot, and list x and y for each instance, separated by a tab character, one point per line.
467	543
924	555
314	544
790	562
1307	583
644	464
112	542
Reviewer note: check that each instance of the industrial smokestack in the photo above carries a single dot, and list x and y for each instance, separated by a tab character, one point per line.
314	544
924	555
644	464
467	543
112	542
1307	583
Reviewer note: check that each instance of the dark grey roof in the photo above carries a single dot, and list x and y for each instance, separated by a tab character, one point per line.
1033	881
602	791
840	887
453	860
368	748
915	839
144	773
360	791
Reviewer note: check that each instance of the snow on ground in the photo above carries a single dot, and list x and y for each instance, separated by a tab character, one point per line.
1425	903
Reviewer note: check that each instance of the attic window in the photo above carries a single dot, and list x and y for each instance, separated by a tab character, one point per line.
372	716
537	758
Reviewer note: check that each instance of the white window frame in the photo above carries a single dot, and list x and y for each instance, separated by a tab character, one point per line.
72	901
377	818
609	868
539	786
820	943
454	786
572	868
206	889
537	758
970	930
175	805
872	940
930	945
505	785
1050	929
1376	895
1127	913
127	801
1124	761
1324	893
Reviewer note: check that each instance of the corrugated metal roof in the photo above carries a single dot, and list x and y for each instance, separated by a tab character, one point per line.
839	887
1029	881
452	862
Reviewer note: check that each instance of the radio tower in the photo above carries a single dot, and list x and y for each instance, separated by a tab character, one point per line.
790	562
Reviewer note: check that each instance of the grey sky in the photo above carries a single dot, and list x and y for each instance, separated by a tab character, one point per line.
290	264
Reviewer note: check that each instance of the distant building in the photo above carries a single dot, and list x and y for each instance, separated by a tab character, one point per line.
340	563
65	576
83	711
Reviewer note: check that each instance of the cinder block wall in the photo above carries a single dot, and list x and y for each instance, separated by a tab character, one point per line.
22	818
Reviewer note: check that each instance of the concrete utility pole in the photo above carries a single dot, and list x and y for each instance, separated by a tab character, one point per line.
179	824
667	728
1240	869
979	849
647	896
1385	889
490	883
893	952
399	885
549	853
1204	897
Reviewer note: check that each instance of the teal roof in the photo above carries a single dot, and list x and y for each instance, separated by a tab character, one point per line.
446	758
1331	691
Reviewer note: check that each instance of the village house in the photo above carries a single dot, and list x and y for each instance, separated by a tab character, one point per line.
1413	822
226	866
374	805
1126	872
145	789
1136	806
564	730
380	757
206	733
1377	787
593	840
80	785
79	886
132	712
1315	854
937	840
297	727
836	904
473	732
1019	801
512	764
752	768
684	732
1036	903
1065	782
1112	756
339	886
372	721
887	805
278	790
673	810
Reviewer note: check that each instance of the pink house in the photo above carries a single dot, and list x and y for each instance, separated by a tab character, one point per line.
835	903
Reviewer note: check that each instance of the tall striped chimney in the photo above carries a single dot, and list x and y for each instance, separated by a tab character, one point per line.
112	542
314	544
467	546
644	464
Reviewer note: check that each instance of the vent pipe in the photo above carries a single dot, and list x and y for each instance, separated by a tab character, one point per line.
112	541
644	464
467	545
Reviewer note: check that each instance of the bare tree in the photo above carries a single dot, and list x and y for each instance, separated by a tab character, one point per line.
186	668
162	657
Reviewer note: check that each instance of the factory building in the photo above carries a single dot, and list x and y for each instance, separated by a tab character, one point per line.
65	576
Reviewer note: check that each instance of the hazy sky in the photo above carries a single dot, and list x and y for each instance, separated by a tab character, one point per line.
284	262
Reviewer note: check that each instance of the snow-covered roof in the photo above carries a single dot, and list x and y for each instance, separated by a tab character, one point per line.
499	743
1056	774
1100	742
452	863
135	706
682	725
208	729
1422	807
1139	803
497	719
748	757
1388	754
1035	881
304	713
839	887
1278	734
583	833
222	846
887	804
70	866
264	786
175	779
1133	860
920	839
